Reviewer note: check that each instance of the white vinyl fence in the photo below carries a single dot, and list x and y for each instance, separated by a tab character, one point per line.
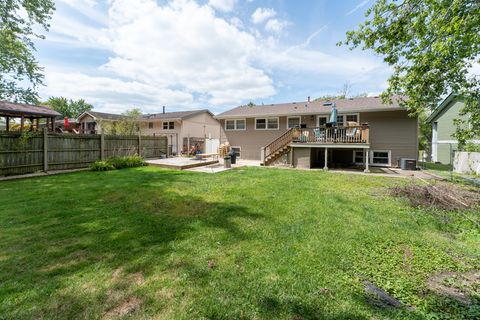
467	162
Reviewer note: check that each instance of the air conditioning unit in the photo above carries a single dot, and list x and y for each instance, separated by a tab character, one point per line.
408	164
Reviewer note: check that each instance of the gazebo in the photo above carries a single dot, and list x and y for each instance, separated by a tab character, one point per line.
29	112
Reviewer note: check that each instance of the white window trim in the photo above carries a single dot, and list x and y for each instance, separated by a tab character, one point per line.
266	123
321	116
235	124
168	125
344	115
293	117
389	164
363	161
240	150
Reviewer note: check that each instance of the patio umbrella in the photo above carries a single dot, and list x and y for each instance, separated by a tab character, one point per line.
65	122
333	115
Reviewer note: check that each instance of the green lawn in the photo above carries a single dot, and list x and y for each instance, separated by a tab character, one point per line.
250	243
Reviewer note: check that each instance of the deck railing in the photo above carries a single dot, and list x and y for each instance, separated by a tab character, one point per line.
284	140
325	135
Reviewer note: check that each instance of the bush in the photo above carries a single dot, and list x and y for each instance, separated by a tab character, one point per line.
127	162
118	163
101	166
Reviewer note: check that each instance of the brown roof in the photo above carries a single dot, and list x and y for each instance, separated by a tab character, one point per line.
367	104
105	116
28	110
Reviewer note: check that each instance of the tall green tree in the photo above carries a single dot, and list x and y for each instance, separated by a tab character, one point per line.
68	108
128	125
431	46
20	73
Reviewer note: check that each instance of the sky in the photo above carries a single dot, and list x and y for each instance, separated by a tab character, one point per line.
204	54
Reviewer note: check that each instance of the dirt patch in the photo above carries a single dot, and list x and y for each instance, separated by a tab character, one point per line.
127	307
445	196
455	285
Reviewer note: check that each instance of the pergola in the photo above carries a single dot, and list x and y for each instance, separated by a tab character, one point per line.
30	112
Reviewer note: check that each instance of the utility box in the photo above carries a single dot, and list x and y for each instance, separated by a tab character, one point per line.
408	164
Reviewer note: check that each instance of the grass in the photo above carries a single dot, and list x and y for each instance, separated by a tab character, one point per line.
243	244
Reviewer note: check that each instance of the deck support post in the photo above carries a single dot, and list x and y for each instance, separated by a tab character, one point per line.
366	158
7	123
262	155
325	167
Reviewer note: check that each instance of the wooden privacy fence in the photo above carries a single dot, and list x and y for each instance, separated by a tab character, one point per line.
31	152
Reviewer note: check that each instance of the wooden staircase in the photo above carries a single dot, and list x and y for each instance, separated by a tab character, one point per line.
277	148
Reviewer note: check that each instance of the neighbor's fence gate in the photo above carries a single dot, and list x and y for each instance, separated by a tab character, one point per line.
31	152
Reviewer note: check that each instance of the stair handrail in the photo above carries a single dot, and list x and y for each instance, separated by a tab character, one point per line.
279	143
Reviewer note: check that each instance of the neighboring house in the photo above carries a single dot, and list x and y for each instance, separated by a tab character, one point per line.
443	127
296	133
185	129
90	121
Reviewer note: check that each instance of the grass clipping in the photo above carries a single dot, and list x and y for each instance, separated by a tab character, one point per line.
444	196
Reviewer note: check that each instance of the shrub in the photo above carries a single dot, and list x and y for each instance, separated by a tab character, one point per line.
118	163
101	166
127	162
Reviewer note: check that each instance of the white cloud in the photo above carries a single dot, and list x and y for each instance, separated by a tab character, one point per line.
112	95
223	5
357	7
262	14
183	54
275	25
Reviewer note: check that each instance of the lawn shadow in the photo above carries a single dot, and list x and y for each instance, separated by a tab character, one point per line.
127	227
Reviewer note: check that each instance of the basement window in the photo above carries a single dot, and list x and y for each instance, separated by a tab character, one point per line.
381	158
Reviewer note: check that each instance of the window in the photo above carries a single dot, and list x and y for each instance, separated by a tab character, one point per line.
293	122
321	121
238	151
150	125
266	123
260	124
381	157
168	125
352	117
235	124
358	156
342	119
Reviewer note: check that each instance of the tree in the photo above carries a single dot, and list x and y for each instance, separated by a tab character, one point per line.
18	65
68	108
343	93
128	125
431	46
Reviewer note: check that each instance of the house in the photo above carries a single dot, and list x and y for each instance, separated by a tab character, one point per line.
90	121
297	134
185	129
443	127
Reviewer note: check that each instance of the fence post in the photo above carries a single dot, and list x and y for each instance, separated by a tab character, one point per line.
102	145
45	149
166	144
139	145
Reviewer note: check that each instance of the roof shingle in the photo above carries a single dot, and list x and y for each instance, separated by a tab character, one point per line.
19	109
366	104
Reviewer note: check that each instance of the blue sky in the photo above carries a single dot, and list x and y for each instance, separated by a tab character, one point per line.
215	54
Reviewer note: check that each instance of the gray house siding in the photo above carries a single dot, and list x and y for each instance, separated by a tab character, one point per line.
392	131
